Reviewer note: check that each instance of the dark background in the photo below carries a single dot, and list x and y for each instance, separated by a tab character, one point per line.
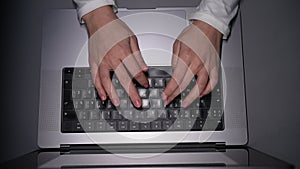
272	66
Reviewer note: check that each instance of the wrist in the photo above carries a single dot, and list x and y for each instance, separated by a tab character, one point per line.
98	18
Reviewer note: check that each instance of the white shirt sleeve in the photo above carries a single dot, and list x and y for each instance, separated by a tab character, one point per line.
217	13
86	6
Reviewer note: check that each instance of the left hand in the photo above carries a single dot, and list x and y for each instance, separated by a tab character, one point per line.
195	52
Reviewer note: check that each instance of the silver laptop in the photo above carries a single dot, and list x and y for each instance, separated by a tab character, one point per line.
64	49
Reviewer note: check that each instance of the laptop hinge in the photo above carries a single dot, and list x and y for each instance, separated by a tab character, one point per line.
187	147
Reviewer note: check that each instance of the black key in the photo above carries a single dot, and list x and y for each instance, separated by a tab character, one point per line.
69	116
78	104
68	105
167	124
151	114
145	103
162	114
122	125
116	115
100	126
111	125
159	82
143	93
67	95
88	94
139	115
173	114
68	71
76	94
80	84
184	114
134	126
154	93
91	83
128	114
145	126
110	105
156	125
215	114
67	84
94	114
89	126
178	125
83	115
79	72
123	104
68	126
176	103
100	104
156	103
78	127
121	93
195	114
106	114
89	104
189	124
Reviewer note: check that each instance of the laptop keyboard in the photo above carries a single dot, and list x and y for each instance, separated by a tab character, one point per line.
84	111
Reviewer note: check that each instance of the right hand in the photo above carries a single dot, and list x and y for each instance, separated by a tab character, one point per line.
113	46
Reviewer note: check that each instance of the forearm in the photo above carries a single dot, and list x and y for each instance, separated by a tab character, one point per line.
217	13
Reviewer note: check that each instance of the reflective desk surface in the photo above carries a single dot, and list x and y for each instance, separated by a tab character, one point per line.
233	157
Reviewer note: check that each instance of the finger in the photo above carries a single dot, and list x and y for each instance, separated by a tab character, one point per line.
135	70
185	82
197	89
97	82
213	80
137	53
128	85
176	79
176	49
107	84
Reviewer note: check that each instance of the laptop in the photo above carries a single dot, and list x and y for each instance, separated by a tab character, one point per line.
72	117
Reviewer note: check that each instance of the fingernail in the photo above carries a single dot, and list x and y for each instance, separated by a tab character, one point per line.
145	68
103	97
137	103
146	85
184	104
200	96
116	102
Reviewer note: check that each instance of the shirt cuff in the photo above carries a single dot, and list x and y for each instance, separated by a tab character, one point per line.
211	20
92	5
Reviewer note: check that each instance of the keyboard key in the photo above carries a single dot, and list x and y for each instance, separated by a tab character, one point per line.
76	94
89	104
162	114
123	104
89	126
122	125
111	125
68	105
78	104
78	127
100	125
106	114
154	93
69	116
88	94
79	84
145	126
116	115
83	115
94	114
159	82
100	104
156	125
156	103
167	124
121	93
128	114
178	125
134	126
143	93
145	103
151	114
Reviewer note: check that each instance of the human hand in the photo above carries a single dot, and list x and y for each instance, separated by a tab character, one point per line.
113	46
195	52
